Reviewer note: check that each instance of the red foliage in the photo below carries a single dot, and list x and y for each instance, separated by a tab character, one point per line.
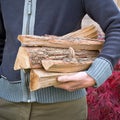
104	102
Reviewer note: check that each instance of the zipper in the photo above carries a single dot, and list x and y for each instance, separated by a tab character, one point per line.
27	74
28	29
29	12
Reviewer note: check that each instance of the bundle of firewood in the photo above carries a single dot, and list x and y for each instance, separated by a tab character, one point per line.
48	57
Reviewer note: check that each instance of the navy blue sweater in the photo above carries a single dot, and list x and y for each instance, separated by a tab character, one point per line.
56	18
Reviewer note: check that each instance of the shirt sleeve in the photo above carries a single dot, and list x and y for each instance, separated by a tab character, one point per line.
107	15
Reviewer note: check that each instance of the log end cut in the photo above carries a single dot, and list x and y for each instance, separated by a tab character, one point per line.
22	59
34	81
40	78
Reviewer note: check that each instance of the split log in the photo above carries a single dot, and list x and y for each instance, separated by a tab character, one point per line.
79	39
41	79
86	32
57	42
65	67
70	65
30	57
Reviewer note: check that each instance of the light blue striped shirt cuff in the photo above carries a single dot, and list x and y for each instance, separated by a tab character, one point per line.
100	70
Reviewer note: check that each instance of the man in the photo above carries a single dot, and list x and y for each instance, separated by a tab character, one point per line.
66	101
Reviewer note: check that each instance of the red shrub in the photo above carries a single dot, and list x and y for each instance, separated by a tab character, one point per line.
104	102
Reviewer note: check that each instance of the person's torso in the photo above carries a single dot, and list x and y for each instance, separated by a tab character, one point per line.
39	16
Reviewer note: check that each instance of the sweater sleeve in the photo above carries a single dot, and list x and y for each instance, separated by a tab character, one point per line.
2	36
107	15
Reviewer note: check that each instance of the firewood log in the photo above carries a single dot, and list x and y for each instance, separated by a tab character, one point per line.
86	32
57	42
70	65
79	39
30	57
64	66
39	78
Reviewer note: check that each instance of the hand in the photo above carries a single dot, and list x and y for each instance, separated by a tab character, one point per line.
75	81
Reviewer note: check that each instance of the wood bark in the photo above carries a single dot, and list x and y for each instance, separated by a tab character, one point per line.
39	78
30	57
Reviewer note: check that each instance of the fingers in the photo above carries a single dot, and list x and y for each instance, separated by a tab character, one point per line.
65	78
69	86
74	77
75	81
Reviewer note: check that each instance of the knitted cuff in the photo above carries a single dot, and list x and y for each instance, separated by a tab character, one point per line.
100	70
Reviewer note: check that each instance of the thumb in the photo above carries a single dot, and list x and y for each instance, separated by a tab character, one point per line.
65	78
